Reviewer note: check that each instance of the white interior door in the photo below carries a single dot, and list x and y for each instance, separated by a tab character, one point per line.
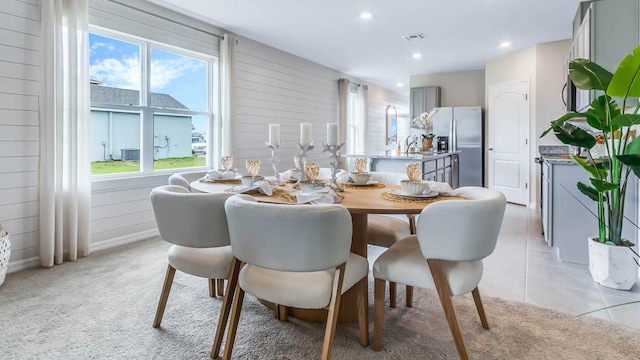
508	155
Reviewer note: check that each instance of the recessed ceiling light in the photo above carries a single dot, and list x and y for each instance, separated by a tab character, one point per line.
505	44
417	56
399	84
365	15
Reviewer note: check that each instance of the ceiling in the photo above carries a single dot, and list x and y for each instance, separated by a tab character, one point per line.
458	34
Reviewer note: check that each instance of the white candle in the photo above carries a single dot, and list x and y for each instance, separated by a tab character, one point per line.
305	134
274	134
332	134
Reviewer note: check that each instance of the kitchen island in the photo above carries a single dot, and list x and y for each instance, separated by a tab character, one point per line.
441	167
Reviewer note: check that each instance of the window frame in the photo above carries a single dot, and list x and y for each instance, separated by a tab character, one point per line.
148	111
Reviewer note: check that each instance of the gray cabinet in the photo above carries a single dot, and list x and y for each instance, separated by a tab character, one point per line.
568	215
441	168
424	99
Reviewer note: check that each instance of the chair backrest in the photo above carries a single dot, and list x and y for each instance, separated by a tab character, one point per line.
388	177
190	219
288	237
185	178
462	230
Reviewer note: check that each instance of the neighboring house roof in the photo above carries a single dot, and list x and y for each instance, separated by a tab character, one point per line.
111	95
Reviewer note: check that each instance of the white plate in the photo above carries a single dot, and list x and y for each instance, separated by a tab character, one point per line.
401	193
368	183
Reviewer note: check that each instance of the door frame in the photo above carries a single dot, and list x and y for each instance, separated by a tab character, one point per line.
528	143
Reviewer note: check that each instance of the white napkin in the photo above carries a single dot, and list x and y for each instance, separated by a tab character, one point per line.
443	188
220	175
288	175
263	186
317	197
344	178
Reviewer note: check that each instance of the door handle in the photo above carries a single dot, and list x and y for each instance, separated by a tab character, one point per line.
490	149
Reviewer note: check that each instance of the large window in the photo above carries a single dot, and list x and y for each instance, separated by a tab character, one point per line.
151	105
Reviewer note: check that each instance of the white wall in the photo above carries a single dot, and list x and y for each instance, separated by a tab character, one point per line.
462	88
19	148
272	86
275	87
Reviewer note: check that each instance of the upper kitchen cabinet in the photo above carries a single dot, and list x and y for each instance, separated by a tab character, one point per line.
607	32
424	99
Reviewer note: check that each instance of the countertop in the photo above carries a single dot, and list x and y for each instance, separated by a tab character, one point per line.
410	156
558	159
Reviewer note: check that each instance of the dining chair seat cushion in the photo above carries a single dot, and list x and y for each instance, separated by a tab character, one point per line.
210	263
404	263
306	290
385	230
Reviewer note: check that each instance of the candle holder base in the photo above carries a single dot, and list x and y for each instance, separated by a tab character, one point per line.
334	151
275	160
304	149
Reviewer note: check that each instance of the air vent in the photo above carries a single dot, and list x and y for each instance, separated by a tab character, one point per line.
416	36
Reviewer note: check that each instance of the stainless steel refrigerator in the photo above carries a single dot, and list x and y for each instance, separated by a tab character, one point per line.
464	125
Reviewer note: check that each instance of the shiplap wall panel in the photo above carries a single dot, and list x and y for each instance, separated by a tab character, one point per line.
18	195
18	117
106	236
19	132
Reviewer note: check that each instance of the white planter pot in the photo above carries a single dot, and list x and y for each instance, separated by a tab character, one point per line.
612	266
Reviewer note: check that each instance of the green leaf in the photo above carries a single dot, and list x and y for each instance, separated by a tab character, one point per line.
602	109
626	80
626	120
587	75
564	118
598	173
589	191
603	186
632	161
572	135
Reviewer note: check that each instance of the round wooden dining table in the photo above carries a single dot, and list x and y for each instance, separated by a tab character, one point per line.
360	201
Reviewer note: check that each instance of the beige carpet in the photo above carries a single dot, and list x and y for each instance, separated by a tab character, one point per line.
102	307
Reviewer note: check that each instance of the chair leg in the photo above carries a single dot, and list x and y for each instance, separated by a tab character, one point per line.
412	225
334	307
281	312
378	313
220	287
226	307
392	295
233	325
409	293
164	295
212	287
478	301
363	311
444	292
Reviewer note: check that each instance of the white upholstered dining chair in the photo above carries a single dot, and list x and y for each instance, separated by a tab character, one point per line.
196	225
296	256
184	179
453	237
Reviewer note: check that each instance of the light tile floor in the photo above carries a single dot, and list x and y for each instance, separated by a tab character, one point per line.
523	268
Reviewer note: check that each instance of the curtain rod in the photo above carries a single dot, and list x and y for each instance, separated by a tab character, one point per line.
164	18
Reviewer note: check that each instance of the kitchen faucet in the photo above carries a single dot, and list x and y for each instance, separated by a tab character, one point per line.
408	144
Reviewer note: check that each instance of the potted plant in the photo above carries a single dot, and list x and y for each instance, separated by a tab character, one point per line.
611	257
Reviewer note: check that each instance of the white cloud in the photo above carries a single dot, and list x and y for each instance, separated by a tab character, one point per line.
125	72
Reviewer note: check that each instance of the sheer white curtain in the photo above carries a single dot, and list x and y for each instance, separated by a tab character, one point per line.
343	110
227	93
65	168
362	118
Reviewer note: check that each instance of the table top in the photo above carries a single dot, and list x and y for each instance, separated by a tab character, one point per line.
358	200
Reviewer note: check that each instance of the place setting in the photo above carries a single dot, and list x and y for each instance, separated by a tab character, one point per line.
359	178
415	189
226	175
313	190
255	184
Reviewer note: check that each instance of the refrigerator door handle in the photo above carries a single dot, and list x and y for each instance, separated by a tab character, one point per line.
453	136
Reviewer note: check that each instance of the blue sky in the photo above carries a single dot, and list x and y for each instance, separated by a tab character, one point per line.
117	64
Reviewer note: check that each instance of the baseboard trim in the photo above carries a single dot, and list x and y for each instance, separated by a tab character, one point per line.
23	264
123	240
102	245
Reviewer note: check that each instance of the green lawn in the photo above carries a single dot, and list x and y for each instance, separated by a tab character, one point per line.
113	167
